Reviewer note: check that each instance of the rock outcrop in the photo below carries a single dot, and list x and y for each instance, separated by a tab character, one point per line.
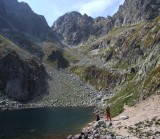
20	79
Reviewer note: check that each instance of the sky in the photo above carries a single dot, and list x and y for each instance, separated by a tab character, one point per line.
52	9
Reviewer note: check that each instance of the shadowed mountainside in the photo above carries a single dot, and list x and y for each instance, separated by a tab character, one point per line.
18	17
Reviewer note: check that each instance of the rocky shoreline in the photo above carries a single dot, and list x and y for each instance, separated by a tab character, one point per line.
96	130
140	121
7	104
102	129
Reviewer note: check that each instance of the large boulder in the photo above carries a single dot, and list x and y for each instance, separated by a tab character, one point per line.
21	80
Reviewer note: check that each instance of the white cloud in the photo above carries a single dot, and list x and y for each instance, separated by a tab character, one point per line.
95	7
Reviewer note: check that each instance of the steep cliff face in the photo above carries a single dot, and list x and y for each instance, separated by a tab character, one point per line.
19	17
21	80
76	28
133	11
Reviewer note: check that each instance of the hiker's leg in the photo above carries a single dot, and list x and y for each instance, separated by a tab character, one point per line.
107	117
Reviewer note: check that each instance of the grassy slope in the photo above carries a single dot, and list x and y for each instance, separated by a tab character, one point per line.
7	45
128	46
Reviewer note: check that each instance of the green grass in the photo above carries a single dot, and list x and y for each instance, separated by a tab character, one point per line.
98	77
70	57
156	29
4	41
154	73
149	40
117	107
79	70
128	96
57	58
121	65
152	82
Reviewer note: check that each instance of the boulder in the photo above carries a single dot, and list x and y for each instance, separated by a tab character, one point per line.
96	136
69	137
20	79
2	102
124	117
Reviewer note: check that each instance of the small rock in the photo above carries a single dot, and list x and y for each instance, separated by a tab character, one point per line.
96	125
95	132
2	102
96	135
124	117
69	137
118	137
108	124
78	136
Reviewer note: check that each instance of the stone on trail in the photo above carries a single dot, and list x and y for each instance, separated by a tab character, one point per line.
124	117
99	124
96	135
108	124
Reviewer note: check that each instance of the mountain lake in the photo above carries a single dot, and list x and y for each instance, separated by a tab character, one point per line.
44	123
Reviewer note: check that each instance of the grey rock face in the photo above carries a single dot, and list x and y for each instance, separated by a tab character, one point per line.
20	79
136	10
18	17
76	28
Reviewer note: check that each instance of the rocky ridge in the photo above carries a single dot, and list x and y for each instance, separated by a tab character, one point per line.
17	18
75	28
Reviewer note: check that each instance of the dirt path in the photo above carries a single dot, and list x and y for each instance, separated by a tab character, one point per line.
146	110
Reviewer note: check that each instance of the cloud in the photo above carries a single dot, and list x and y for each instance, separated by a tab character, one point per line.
95	7
52	9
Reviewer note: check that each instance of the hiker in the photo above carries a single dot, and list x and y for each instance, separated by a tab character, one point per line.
97	116
108	115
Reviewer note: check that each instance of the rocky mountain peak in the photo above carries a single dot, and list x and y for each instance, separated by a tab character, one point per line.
18	17
76	28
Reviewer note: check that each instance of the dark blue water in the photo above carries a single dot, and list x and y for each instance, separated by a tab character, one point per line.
43	123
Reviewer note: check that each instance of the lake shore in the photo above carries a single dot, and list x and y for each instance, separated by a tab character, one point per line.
139	121
7	104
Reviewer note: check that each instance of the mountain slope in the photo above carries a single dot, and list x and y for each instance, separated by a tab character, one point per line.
132	52
119	57
18	17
